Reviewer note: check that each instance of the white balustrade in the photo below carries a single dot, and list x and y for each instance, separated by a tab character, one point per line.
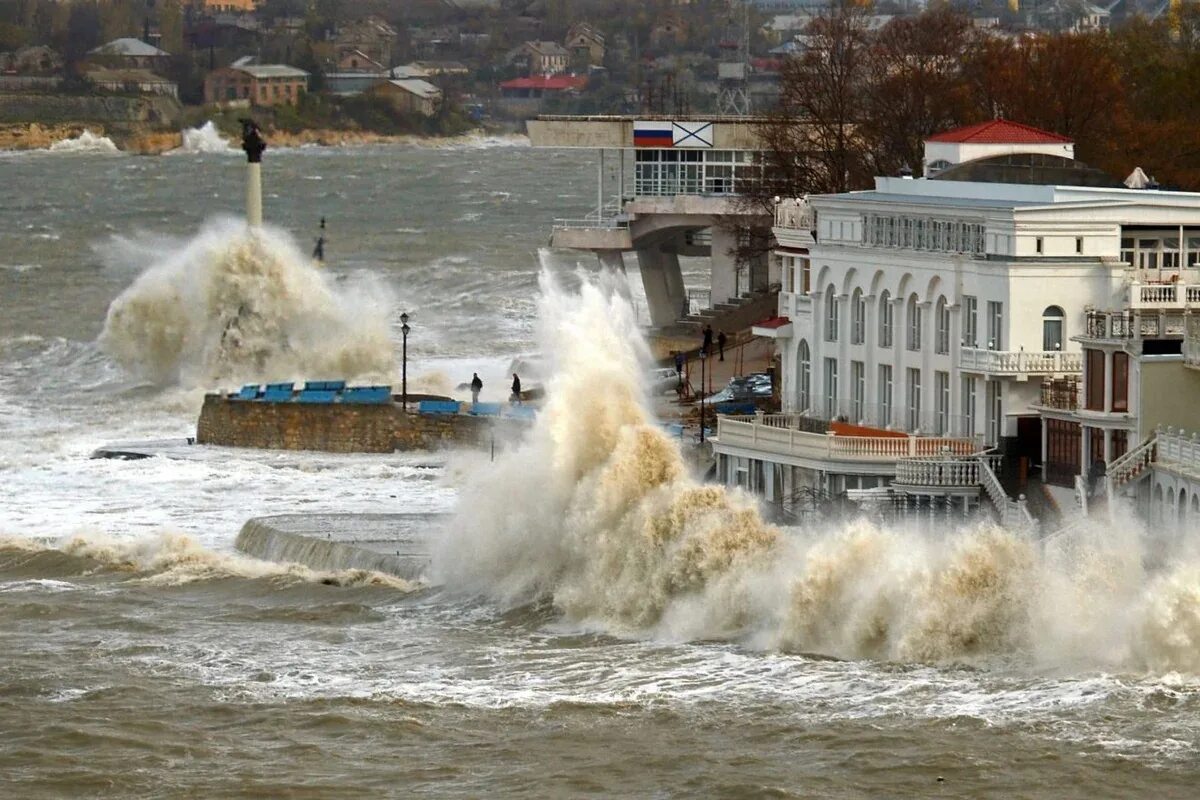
1019	362
1163	295
793	212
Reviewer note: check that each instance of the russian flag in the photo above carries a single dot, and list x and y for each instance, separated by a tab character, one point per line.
652	134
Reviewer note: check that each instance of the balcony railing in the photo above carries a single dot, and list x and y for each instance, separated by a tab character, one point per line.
793	212
770	436
1020	362
1163	295
1061	393
1177	448
1144	323
1191	342
948	471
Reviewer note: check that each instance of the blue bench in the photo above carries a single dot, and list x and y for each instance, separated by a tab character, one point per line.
485	409
317	396
437	407
278	392
248	392
367	394
326	386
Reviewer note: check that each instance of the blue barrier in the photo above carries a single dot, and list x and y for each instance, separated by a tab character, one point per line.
485	409
317	396
367	394
278	393
735	408
520	412
248	393
437	407
328	386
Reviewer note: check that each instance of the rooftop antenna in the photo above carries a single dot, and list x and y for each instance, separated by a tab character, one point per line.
733	73
254	145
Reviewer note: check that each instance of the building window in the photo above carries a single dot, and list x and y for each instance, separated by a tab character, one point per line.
1079	244
1052	328
1094	376
804	379
1120	381
831	388
885	394
805	275
995	313
858	317
941	399
831	314
970	331
994	417
1037	244
968	405
943	327
914	323
886	311
914	398
858	385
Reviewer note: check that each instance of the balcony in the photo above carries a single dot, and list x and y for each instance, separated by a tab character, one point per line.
1140	324
1061	394
1178	450
1157	296
796	438
1020	362
943	471
794	213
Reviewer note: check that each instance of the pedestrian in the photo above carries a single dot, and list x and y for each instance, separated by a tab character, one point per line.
721	339
516	390
706	348
679	366
476	388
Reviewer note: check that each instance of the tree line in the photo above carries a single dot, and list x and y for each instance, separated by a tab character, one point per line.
860	102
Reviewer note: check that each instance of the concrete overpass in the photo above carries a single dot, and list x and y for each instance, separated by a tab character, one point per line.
674	194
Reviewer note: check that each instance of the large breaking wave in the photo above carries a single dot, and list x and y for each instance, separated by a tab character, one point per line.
235	304
599	514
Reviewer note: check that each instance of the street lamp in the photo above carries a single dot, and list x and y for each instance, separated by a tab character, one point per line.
404	360
703	358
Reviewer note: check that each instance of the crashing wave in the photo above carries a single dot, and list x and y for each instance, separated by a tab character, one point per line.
205	139
234	304
86	142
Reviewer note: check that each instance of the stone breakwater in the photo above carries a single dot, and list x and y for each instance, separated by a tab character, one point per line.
343	427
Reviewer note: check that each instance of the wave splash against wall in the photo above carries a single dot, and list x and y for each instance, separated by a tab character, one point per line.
597	514
239	305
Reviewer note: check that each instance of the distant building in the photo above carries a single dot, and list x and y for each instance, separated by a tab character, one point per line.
586	45
540	58
36	60
433	68
538	86
358	61
131	81
260	85
413	95
224	6
129	53
371	36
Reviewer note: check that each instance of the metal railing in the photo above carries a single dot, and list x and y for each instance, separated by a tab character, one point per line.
1020	362
1145	323
1061	393
608	217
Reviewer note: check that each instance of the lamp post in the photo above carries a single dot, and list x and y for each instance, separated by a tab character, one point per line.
703	358
404	329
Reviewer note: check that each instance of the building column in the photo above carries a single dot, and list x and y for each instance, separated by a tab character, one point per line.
899	371
954	412
845	390
816	354
871	362
928	384
663	284
1045	445
1108	373
1107	446
723	282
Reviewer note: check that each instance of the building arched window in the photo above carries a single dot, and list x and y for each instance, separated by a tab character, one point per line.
831	314
1053	322
914	323
885	319
942	319
803	376
858	317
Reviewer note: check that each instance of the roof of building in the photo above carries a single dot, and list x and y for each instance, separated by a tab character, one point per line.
271	71
104	75
1035	169
999	131
128	47
547	82
422	89
548	48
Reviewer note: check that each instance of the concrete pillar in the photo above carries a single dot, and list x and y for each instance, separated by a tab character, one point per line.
1108	373
1108	445
871	365
254	215
724	266
663	284
928	384
957	420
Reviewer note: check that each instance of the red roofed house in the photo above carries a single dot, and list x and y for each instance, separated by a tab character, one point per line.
538	86
994	138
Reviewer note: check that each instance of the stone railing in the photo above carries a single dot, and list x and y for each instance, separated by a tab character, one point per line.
940	471
1178	448
1191	341
1163	295
1143	323
1129	466
1014	514
793	212
1020	362
781	434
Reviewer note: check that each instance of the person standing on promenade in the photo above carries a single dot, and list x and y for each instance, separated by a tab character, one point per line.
721	339
516	389
476	388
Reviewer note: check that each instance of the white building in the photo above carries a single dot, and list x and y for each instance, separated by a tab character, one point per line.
937	307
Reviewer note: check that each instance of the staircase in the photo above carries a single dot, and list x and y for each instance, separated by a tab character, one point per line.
734	315
1014	514
1129	468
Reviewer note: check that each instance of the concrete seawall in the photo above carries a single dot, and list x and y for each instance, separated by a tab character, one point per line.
395	544
344	427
